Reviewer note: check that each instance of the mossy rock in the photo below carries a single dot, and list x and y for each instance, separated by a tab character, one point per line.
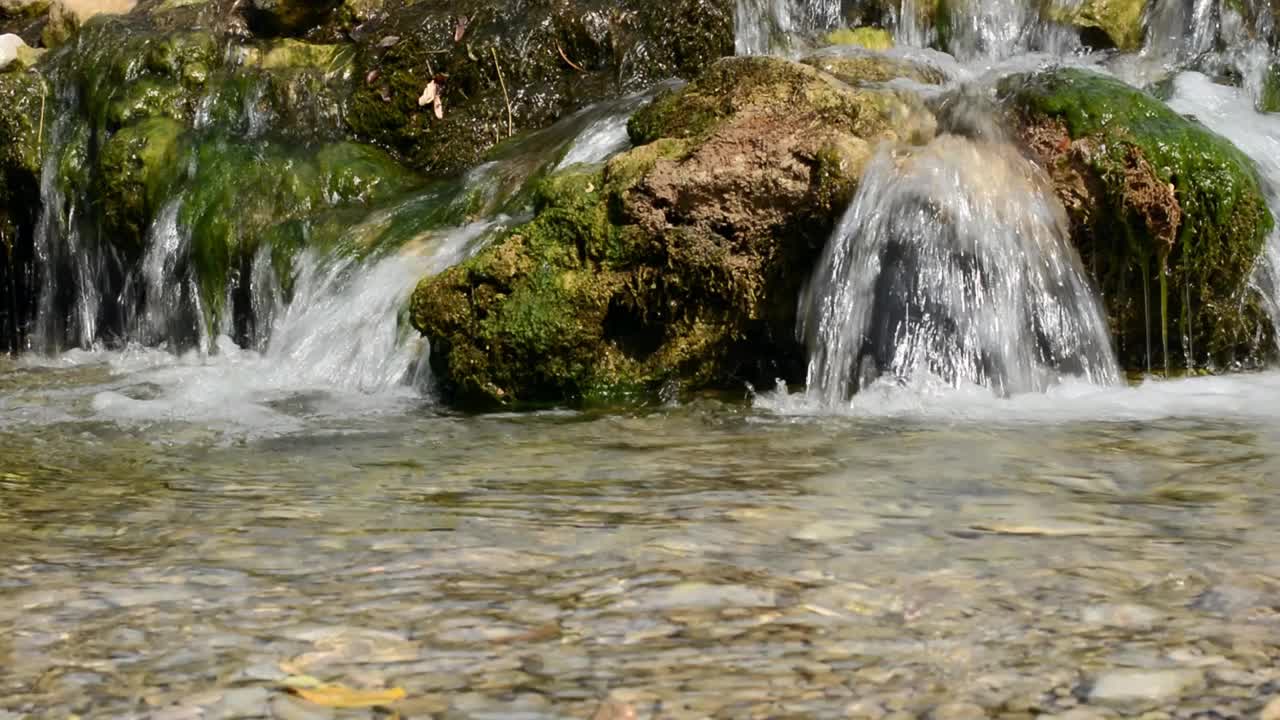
237	193
508	69
272	18
679	264
857	66
22	96
1168	215
139	167
1119	21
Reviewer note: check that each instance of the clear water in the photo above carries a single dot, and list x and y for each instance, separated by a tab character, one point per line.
181	532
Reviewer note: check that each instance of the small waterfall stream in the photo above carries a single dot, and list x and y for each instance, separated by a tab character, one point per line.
953	262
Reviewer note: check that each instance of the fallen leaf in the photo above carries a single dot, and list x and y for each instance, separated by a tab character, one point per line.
429	94
439	109
389	41
337	696
461	28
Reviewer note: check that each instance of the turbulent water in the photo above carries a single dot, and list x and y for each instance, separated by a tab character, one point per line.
953	262
992	525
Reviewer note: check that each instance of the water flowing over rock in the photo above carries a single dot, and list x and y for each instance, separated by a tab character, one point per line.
679	263
953	262
1169	216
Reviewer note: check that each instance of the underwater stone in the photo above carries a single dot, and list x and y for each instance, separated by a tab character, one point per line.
1167	215
678	265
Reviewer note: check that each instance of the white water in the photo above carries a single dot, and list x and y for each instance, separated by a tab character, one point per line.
953	262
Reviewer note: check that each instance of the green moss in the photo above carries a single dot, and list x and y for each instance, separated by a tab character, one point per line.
1207	239
1270	99
241	195
1120	20
139	167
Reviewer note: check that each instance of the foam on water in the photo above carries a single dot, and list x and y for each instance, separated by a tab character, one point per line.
339	349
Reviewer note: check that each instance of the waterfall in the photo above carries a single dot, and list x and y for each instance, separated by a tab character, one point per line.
952	262
765	25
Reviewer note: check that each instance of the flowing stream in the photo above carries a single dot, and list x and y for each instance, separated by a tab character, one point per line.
967	512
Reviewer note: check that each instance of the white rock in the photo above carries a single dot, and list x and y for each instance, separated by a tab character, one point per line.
1145	687
9	45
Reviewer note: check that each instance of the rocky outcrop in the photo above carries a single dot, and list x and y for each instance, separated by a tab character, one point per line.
499	69
679	263
1168	216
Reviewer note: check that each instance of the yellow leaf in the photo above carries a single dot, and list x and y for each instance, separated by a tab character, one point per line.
337	696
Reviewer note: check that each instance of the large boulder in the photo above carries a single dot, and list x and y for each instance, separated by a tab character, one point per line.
676	265
1168	215
500	68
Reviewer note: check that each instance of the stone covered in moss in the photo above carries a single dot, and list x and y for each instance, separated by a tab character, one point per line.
680	262
138	169
1120	22
501	69
856	65
22	95
1168	215
237	193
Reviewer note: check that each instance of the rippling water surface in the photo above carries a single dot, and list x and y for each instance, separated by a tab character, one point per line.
172	548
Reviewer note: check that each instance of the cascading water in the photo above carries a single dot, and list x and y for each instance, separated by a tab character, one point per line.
329	316
764	25
953	262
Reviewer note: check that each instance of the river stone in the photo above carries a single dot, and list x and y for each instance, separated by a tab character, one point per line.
1121	615
1126	688
958	711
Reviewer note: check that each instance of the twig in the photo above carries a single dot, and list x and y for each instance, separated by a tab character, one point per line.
44	93
572	64
511	123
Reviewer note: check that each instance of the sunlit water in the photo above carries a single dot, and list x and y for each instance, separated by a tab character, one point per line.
183	533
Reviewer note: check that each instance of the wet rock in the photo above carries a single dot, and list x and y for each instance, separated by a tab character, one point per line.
1138	688
679	263
1105	23
287	17
1168	216
503	69
859	66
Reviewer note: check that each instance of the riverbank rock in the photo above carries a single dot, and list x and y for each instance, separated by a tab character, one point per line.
499	69
1167	215
679	262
